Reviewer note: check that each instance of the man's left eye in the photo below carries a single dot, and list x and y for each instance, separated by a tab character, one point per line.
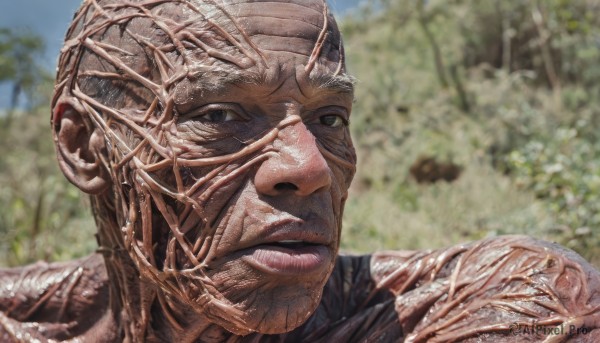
332	120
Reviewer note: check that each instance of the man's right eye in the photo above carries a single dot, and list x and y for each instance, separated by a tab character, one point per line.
219	116
217	113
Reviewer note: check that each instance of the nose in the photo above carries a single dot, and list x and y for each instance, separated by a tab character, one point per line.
297	167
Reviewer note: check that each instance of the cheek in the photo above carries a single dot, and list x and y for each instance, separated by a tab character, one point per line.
338	150
222	194
204	226
268	303
238	222
342	178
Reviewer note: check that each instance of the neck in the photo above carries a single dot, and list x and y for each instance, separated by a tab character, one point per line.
175	322
146	314
142	311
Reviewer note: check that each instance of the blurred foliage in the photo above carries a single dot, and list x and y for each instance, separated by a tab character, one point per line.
41	215
18	57
19	67
564	171
509	90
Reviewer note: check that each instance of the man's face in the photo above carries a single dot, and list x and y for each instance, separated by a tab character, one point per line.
257	158
275	225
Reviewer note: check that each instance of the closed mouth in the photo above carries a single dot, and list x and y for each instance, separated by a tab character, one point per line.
288	257
289	246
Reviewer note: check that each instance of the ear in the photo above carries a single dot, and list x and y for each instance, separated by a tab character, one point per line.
79	148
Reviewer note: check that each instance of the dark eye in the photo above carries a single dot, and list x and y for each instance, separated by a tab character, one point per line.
332	120
219	116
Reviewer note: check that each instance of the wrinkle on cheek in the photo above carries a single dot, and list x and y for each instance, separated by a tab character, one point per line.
218	213
243	219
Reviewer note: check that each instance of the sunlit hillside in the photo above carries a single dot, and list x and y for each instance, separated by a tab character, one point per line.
507	92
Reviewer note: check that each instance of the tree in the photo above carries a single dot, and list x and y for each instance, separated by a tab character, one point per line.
19	54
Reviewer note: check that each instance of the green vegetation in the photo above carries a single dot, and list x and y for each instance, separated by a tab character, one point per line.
508	90
41	215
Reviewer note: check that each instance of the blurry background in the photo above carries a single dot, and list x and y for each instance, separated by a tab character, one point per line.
472	119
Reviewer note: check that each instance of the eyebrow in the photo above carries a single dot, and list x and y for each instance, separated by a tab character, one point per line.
216	80
343	83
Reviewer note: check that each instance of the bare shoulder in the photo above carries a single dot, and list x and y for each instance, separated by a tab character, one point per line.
52	300
501	289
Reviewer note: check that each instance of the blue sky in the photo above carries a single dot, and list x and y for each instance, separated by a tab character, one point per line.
50	19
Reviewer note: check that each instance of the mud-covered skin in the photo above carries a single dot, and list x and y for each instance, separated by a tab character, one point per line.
224	144
213	139
56	301
474	292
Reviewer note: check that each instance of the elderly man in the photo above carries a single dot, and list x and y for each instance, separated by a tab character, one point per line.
212	136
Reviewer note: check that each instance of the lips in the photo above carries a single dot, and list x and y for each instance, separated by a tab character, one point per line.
290	247
279	259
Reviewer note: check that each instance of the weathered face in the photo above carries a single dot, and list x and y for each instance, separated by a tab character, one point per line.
249	166
276	224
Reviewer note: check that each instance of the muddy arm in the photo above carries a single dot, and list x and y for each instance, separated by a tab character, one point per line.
56	300
495	289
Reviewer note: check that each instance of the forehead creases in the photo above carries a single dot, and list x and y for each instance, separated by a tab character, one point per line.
297	27
196	31
302	28
208	34
223	26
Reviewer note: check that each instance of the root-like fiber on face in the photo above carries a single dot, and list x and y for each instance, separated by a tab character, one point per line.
139	45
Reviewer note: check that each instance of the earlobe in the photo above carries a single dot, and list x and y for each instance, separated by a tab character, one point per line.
79	149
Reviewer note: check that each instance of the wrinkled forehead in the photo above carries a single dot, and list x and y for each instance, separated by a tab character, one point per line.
153	46
258	42
256	35
289	27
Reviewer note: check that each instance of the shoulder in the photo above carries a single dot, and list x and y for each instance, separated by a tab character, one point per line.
493	288
53	300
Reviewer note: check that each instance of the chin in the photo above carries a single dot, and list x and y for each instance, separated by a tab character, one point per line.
270	304
281	309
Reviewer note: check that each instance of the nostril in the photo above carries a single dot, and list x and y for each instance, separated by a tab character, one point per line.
286	186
